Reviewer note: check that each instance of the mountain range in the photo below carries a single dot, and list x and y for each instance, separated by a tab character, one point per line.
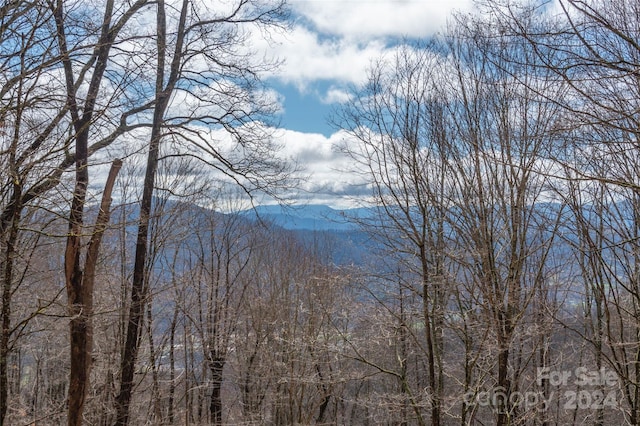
331	231
311	217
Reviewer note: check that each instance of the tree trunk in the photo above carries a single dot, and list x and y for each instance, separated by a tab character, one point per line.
431	349
80	286
216	366
172	366
6	299
504	384
138	286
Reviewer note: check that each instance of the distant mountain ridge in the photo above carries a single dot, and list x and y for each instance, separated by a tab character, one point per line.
312	217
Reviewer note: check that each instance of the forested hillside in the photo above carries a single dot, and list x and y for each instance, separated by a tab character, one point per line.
155	268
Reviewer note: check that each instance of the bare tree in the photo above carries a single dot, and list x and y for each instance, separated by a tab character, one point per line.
210	35
284	359
398	123
79	283
21	98
80	287
453	144
592	47
39	114
502	133
220	280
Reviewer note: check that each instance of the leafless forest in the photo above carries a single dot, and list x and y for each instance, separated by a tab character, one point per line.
500	281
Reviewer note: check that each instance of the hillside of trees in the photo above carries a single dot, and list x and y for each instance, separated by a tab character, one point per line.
491	276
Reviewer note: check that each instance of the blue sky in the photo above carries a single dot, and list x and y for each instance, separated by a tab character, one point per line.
327	51
303	110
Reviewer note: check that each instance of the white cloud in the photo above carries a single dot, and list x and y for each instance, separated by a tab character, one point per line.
336	41
329	179
327	174
309	57
378	18
336	95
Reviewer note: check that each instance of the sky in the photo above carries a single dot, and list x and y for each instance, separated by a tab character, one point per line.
327	51
324	55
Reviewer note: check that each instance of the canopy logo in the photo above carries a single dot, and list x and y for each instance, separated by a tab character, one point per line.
591	390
